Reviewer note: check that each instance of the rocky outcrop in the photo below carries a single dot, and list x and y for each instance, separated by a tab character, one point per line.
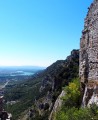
88	69
57	105
4	115
58	75
55	72
50	83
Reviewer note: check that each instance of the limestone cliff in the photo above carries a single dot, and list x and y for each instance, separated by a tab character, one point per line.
56	76
57	105
88	69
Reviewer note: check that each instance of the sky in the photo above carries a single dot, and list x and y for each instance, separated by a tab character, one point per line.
40	32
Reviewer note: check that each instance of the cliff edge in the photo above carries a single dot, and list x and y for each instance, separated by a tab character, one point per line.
88	69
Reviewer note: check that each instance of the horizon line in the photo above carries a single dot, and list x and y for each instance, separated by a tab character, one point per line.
22	66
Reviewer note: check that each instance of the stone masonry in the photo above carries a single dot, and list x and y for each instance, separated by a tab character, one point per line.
88	69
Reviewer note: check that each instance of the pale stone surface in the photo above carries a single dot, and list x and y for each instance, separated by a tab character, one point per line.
57	105
88	69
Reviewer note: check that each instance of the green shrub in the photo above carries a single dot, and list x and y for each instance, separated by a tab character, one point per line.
71	109
74	114
72	96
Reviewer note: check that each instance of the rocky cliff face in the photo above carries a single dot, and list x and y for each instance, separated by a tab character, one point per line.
57	105
88	69
59	73
56	76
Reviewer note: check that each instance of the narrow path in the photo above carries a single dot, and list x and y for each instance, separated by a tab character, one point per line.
3	86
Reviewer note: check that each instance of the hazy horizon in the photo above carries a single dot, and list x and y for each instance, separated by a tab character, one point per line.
23	66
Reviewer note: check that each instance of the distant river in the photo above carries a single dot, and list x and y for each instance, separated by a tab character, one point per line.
22	73
27	73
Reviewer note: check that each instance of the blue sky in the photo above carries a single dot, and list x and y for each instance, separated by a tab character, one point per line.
39	32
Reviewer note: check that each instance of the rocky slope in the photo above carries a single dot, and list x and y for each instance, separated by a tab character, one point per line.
62	72
38	94
55	77
57	105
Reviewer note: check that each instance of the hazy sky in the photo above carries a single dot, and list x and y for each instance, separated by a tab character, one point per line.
39	32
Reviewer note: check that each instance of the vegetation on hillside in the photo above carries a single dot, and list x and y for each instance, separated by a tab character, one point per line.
52	80
71	109
24	94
